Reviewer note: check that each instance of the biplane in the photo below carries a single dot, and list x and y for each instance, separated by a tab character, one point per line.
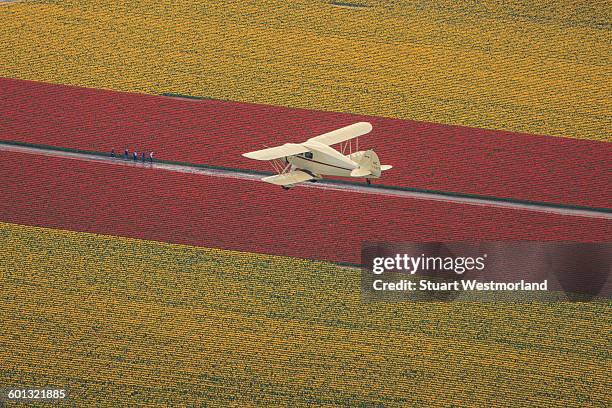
311	160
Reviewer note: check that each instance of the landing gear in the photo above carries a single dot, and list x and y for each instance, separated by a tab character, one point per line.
369	181
285	187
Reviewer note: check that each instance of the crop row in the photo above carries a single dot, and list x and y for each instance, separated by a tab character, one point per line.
424	155
152	323
491	65
252	216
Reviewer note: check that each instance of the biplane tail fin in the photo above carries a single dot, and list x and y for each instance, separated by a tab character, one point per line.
369	165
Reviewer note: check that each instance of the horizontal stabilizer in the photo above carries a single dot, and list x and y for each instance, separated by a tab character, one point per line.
360	172
386	167
287	179
343	134
272	153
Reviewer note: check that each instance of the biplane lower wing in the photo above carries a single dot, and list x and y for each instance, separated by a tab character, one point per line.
288	179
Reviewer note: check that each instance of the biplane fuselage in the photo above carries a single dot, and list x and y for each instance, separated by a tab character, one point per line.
323	160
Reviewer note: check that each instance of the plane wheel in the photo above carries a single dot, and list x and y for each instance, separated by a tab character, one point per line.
368	181
285	187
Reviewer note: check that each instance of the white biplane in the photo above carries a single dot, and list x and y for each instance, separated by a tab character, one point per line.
309	161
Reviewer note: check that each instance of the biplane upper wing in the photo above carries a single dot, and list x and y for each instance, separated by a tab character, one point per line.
343	134
288	179
272	153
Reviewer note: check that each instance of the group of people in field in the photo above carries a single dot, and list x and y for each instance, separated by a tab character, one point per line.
126	155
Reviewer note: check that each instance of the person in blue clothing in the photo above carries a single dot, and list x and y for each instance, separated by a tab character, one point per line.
135	156
143	157
126	154
113	153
